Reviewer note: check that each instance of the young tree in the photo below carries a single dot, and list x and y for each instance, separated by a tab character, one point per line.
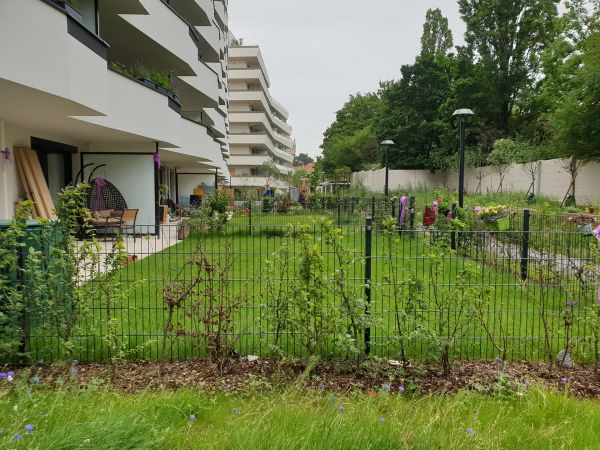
504	155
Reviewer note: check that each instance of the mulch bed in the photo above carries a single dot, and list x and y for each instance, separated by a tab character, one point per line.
332	376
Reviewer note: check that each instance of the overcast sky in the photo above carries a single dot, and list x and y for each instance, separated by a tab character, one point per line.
318	52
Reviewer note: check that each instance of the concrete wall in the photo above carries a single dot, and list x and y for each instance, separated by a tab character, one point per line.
552	180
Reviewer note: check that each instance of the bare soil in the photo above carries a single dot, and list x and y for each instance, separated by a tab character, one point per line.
331	376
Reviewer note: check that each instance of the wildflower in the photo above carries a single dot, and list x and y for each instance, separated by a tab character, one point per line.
3	376
321	385
526	383
333	399
401	389
596	232
192	417
498	359
29	428
16	437
373	394
11	374
341	408
387	387
477	209
235	411
74	372
470	431
36	380
381	419
564	379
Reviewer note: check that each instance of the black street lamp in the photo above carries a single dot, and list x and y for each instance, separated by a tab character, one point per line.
387	144
462	114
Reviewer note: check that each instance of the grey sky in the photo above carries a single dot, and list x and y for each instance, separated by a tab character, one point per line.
318	52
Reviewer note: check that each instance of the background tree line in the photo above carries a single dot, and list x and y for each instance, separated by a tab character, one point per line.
529	69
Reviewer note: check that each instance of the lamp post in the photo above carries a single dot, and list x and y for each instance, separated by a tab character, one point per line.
462	114
388	143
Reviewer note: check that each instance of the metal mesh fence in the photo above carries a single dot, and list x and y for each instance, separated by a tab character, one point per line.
525	293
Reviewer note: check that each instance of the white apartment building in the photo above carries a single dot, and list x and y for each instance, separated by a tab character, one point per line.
258	131
132	91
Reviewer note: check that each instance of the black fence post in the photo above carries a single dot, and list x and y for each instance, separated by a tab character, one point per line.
525	246
411	211
372	207
250	217
393	208
453	234
21	282
339	213
368	251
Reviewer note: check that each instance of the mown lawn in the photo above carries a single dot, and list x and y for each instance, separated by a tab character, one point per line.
93	418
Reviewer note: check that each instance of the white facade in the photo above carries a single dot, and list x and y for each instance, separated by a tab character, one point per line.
63	92
258	131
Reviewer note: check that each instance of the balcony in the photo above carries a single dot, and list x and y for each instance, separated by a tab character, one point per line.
56	55
259	182
163	40
259	140
260	118
259	98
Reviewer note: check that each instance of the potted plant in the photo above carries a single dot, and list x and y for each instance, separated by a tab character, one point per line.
495	216
584	222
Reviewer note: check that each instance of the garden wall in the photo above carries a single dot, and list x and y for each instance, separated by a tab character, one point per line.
552	180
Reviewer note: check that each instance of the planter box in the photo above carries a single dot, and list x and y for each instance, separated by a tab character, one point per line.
502	224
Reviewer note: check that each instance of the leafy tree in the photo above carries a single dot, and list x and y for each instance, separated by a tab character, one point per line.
576	123
505	39
437	38
411	113
302	159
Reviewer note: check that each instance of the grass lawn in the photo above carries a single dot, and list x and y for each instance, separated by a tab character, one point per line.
514	307
96	419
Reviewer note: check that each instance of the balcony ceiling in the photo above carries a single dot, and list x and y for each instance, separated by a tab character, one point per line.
56	116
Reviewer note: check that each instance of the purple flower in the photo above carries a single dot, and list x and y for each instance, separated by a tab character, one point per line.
3	376
387	387
401	389
477	209
526	383
16	437
192	417
596	232
381	419
11	374
341	408
74	372
564	379
470	431
235	411
29	428
36	380
498	359
321	385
